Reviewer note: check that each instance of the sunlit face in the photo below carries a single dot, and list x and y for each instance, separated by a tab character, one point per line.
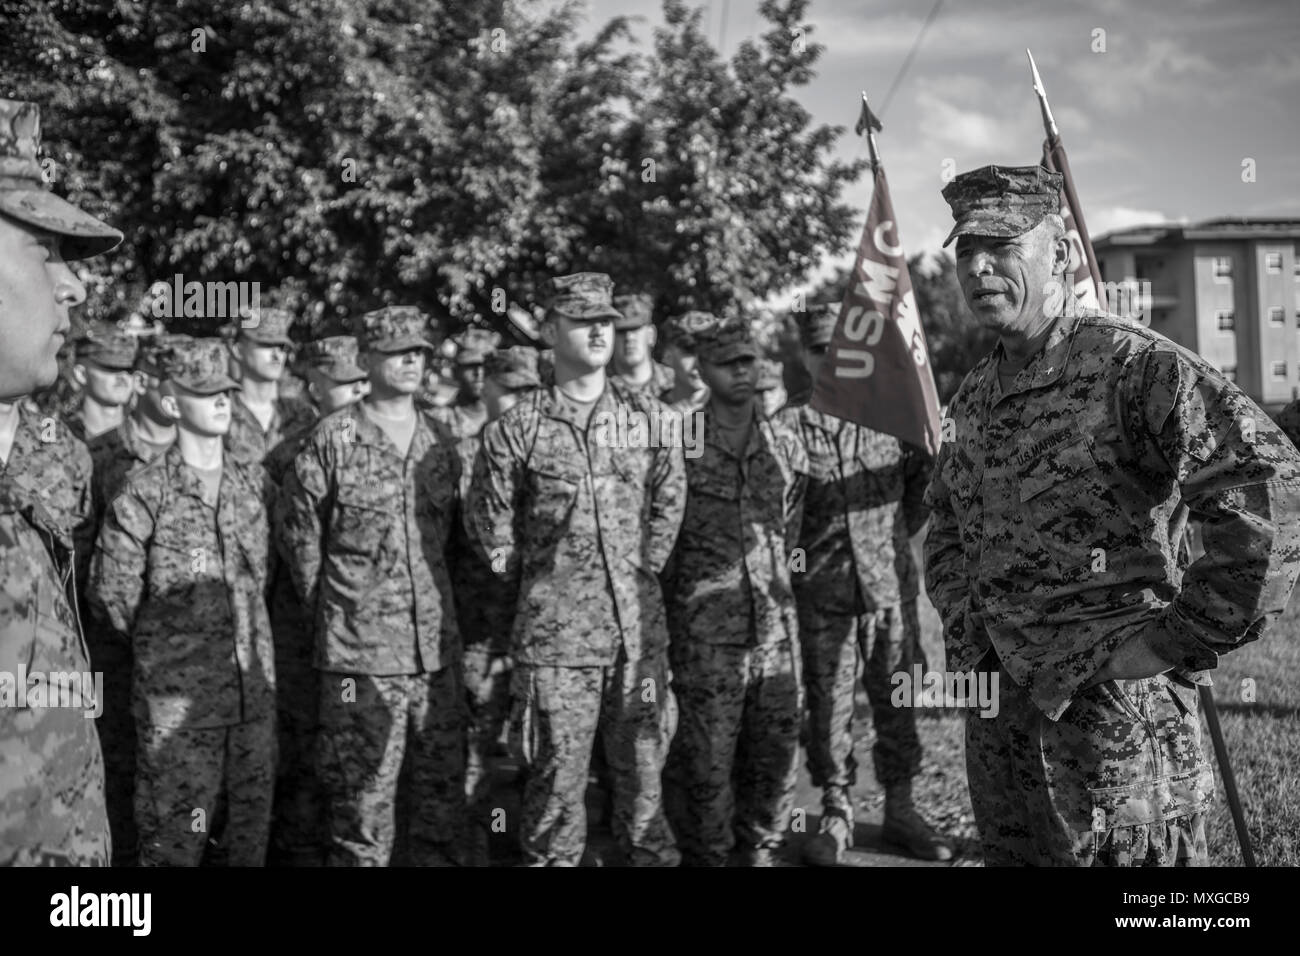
1007	281
470	380
36	291
731	383
632	348
685	367
582	345
206	415
107	386
396	373
262	363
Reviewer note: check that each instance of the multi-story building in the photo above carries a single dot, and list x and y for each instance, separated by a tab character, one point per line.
1228	289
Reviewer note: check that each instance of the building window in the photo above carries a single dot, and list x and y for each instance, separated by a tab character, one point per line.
1222	267
1277	316
1226	319
1273	263
1230	373
1278	369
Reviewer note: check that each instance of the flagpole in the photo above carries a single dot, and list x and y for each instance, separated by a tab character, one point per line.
1063	167
868	123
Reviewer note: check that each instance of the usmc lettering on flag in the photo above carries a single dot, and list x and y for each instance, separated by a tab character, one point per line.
877	370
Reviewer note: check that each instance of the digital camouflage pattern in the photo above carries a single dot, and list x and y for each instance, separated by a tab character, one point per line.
201	366
735	642
556	712
1002	200
266	326
336	356
108	346
1289	421
460	421
394	328
514	367
53	464
368	726
184	771
363	530
584	296
636	310
1119	780
734	761
184	583
247	441
729	580
1057	513
587	526
26	196
51	770
660	382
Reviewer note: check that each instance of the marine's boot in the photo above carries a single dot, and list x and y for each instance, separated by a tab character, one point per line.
834	835
905	828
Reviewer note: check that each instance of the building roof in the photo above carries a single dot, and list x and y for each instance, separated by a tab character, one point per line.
1228	227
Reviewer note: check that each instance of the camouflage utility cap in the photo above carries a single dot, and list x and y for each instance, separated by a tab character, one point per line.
266	327
107	346
515	367
817	324
1004	201
154	349
199	366
335	357
726	340
474	345
25	195
636	310
584	296
394	328
681	330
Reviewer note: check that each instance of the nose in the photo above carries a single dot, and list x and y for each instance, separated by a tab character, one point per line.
68	290
980	263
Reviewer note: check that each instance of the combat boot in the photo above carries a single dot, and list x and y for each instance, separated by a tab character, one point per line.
834	835
906	829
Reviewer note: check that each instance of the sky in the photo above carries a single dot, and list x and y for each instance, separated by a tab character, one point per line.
1156	125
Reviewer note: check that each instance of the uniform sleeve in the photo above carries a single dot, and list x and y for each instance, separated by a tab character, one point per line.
301	517
945	564
794	497
85	523
494	492
667	481
117	573
1240	476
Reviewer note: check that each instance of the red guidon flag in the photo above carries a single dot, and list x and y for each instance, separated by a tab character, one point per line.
877	370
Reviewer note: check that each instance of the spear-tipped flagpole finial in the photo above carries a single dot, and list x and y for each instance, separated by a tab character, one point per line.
1049	123
868	123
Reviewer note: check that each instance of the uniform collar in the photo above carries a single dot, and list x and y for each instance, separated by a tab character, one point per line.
1048	364
556	405
367	432
756	442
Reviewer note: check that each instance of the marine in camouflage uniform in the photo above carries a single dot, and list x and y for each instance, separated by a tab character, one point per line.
1289	421
117	455
587	526
647	376
688	391
248	440
363	528
485	601
466	416
1057	509
735	630
181	574
102	349
51	771
857	610
297	819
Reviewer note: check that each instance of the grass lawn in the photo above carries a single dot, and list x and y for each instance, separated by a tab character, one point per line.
1262	736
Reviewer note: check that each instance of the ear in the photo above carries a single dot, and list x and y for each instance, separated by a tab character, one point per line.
170	407
79	374
1060	256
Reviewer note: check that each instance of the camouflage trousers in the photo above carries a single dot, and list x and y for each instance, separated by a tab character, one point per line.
297	816
555	713
1119	780
117	738
381	733
489	701
837	650
200	787
733	765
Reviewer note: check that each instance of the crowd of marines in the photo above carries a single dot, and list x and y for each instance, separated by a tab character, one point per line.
320	616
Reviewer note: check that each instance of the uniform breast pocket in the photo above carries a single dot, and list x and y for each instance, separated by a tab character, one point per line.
1067	501
555	487
363	515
